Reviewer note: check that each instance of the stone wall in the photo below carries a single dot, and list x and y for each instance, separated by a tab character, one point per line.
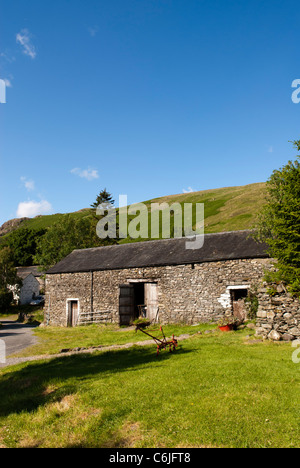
278	316
186	293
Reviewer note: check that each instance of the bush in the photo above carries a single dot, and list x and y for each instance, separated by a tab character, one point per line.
6	298
279	224
252	304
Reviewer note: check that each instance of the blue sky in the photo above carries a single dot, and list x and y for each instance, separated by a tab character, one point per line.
143	97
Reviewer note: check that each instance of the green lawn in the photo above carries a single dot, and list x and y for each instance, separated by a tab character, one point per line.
51	340
216	390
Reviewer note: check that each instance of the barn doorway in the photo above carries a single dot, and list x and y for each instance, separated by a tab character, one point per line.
135	299
72	312
139	300
238	296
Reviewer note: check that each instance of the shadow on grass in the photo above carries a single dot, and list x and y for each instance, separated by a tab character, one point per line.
27	388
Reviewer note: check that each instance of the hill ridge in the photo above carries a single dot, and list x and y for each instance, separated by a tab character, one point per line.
226	209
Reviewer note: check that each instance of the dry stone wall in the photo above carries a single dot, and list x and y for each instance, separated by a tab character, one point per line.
278	316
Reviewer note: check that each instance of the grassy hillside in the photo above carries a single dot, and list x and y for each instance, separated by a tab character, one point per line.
41	222
226	209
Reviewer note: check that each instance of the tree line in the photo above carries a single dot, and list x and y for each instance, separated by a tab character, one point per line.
45	247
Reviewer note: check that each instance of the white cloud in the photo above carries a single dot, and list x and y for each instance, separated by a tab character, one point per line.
189	190
7	83
29	184
24	39
270	149
88	174
31	208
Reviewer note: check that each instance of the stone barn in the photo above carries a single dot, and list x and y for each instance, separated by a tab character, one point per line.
160	279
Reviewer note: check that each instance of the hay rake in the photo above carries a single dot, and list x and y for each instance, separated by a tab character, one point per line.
161	341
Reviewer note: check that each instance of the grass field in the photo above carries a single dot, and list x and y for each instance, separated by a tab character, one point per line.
216	390
52	339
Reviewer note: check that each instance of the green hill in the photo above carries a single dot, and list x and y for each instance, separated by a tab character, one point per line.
43	222
226	209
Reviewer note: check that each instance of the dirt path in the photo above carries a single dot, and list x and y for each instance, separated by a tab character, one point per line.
12	361
16	336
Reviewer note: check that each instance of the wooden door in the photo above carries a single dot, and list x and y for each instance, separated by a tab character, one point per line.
126	303
239	309
151	300
238	297
73	313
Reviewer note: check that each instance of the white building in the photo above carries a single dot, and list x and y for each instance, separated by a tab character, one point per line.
32	283
30	288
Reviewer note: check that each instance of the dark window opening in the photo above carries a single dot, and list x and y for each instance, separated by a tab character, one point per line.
238	294
139	298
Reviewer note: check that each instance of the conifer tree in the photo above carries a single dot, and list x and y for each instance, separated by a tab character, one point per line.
103	200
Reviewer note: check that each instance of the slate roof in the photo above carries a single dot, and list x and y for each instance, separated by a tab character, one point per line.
23	272
221	246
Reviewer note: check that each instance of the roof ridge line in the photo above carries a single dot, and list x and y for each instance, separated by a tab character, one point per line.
211	234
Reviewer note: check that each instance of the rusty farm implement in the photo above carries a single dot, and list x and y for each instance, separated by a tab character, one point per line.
157	334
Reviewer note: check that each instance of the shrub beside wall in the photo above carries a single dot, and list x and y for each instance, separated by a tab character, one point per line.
6	298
